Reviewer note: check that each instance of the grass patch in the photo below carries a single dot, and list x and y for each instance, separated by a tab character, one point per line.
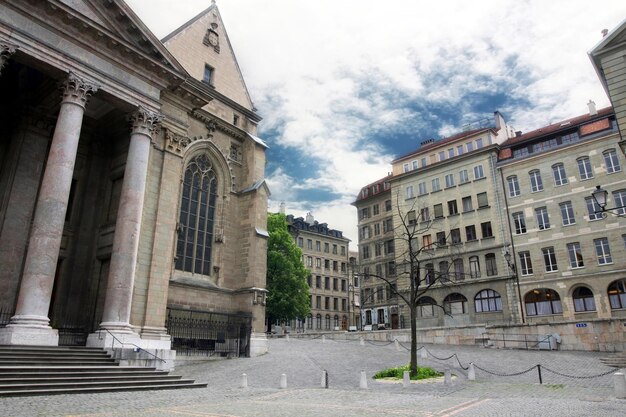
423	372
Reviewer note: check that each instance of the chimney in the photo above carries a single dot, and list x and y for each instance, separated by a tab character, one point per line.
309	218
592	108
500	123
282	208
518	133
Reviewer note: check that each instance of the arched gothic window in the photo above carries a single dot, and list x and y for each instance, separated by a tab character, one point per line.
197	215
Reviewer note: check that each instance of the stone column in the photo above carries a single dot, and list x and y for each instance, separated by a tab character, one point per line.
30	324
117	304
6	50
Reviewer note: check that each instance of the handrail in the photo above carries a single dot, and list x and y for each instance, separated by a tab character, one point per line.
122	343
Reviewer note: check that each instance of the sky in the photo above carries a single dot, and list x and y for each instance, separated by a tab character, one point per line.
345	86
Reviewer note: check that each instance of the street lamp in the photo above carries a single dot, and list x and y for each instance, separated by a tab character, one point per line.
508	258
600	196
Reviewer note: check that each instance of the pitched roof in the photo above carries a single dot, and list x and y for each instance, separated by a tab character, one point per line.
567	124
443	141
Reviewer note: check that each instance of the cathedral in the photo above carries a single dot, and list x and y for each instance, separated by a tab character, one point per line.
132	195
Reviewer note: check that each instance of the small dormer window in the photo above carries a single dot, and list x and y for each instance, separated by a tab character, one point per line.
208	75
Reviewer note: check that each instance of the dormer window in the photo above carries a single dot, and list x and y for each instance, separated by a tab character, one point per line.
208	75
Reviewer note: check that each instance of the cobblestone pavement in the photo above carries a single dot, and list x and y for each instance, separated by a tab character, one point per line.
303	361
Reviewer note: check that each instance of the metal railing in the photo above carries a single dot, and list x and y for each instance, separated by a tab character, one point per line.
204	333
521	341
135	347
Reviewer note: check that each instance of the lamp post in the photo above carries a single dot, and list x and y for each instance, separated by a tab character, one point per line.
507	258
600	196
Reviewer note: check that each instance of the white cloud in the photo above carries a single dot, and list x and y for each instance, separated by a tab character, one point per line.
327	74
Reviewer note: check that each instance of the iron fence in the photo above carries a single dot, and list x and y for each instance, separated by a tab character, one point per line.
5	316
204	333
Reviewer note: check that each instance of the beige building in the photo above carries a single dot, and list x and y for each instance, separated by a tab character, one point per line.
133	203
380	308
449	191
569	253
325	254
608	60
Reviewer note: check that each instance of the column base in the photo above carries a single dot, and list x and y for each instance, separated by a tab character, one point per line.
23	334
114	338
259	345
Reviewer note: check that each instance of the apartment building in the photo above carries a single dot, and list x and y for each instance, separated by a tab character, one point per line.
380	307
450	191
325	254
569	252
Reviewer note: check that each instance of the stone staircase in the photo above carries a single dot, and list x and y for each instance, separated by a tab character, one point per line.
37	370
617	360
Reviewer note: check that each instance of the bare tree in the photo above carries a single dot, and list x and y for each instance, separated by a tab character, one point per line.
415	275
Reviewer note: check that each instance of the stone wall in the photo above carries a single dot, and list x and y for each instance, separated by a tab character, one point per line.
596	335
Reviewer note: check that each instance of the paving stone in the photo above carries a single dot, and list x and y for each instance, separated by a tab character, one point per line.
303	360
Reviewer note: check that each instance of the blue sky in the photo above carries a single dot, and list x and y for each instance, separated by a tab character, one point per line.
346	86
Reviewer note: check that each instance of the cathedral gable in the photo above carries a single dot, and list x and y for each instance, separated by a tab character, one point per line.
203	48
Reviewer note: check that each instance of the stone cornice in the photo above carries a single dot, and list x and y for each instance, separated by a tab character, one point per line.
213	94
6	50
218	124
89	34
175	143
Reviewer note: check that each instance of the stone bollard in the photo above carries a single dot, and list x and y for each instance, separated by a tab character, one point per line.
447	377
397	344
406	379
324	379
287	337
471	372
283	381
323	338
619	383
424	354
363	384
361	341
244	381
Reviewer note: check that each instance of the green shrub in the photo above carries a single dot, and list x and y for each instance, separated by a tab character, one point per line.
423	372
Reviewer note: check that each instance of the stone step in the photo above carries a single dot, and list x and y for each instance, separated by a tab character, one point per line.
35	370
103	373
45	379
6	353
72	368
50	348
113	388
90	384
23	358
69	362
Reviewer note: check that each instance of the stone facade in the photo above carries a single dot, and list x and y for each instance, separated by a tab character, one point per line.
447	196
380	306
567	253
142	188
325	253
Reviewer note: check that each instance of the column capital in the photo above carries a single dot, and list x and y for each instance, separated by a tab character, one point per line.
6	50
76	90
145	122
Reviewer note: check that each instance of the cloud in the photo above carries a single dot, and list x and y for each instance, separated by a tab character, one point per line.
344	87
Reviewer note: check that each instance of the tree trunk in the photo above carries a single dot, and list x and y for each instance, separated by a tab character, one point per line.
413	365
